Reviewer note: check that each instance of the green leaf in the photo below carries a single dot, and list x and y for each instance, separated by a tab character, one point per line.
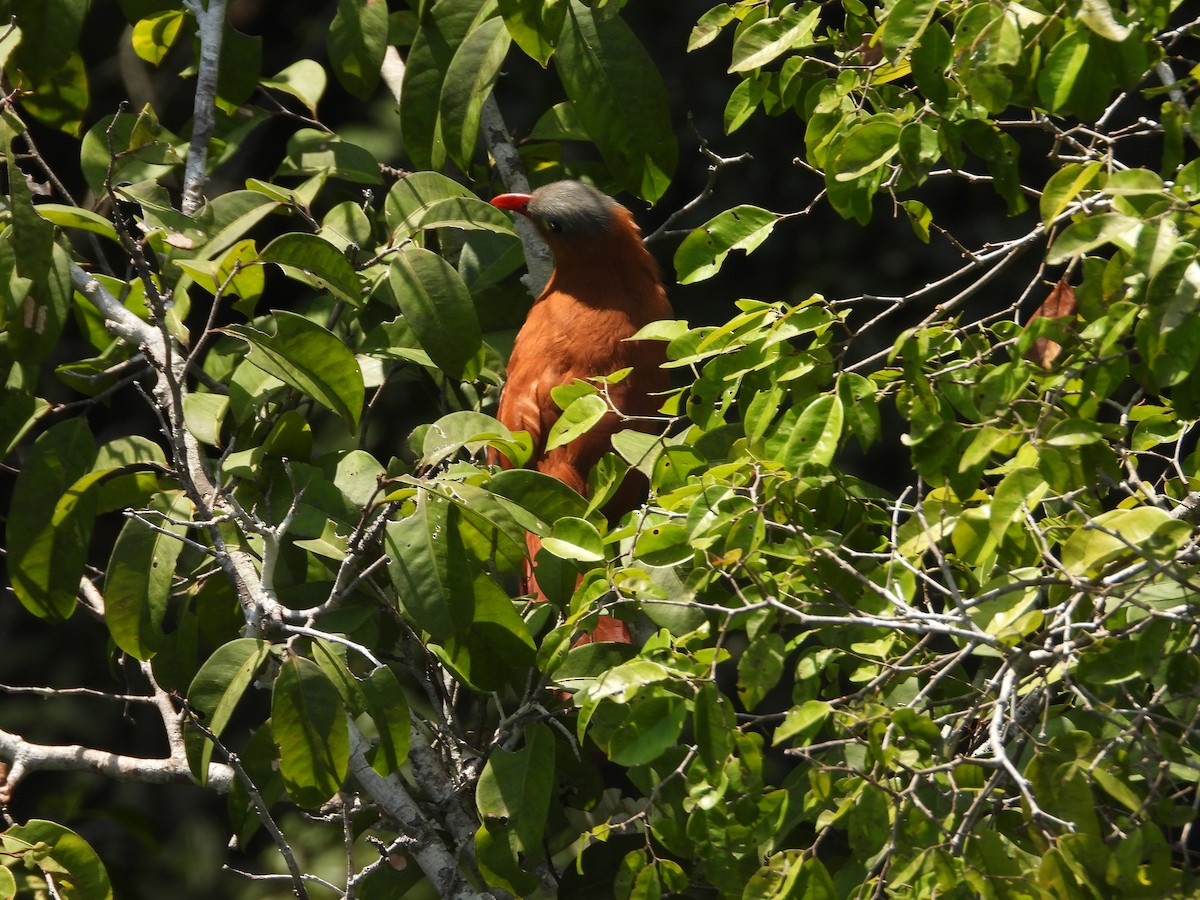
308	723
357	40
537	500
865	148
1064	186
702	252
760	668
214	694
142	150
576	539
763	41
50	32
388	707
621	100
803	722
1075	78
309	358
317	257
709	26
1098	16
154	36
438	307
714	722
516	786
427	564
19	412
304	79
137	585
76	217
663	545
1144	531
579	417
905	24
649	729
469	213
808	435
469	81
78	872
50	520
318	153
1090	233
535	25
444	28
497	642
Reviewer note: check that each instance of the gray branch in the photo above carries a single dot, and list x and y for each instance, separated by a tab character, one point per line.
210	22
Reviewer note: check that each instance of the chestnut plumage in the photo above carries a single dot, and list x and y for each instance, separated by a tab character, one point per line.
604	289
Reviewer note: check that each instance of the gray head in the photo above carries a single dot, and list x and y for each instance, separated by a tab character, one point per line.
565	209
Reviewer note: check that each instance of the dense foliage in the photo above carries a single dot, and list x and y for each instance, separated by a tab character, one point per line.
982	683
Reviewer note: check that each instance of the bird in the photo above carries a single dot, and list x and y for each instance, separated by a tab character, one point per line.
605	287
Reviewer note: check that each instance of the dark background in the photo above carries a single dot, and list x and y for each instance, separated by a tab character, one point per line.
170	841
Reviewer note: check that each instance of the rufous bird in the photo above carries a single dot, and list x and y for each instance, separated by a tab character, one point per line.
605	287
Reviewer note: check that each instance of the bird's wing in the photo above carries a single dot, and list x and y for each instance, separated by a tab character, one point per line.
521	409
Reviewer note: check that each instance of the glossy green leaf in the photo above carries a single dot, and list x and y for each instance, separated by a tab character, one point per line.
539	499
1123	533
154	36
309	358
142	150
470	78
763	41
535	25
77	869
140	571
468	213
665	544
1090	233
308	723
317	257
47	545
905	24
1064	186
760	669
410	198
865	148
462	430
709	26
1076	78
443	29
579	417
713	720
803	722
357	40
304	79
214	694
809	435
427	567
649	728
516	786
496	644
703	252
576	539
65	216
19	412
315	153
620	98
388	708
438	307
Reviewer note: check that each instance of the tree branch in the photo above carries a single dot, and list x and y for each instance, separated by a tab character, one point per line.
210	22
29	757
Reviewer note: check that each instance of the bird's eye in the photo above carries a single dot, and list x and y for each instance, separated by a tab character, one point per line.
552	225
